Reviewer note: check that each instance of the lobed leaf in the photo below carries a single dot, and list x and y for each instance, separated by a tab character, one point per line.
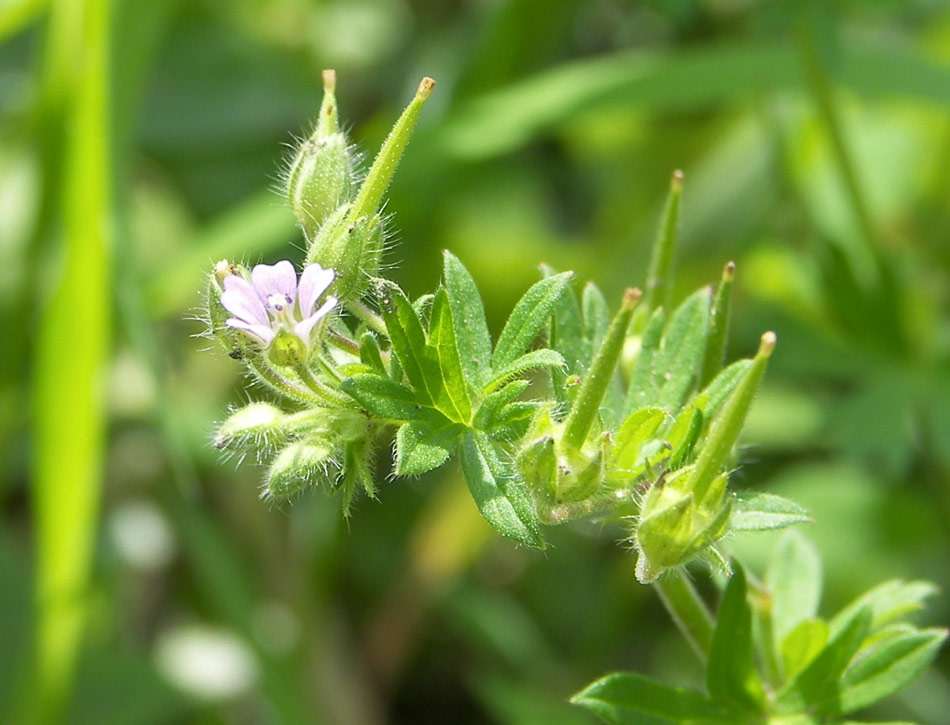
382	397
491	404
468	317
889	668
543	358
528	317
501	497
622	696
676	367
755	511
408	341
452	398
423	445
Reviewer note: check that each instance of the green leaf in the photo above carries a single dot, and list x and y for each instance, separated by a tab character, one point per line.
889	668
628	441
711	399
815	688
794	578
803	644
408	341
596	316
468	316
452	399
490	406
567	330
887	601
731	677
422	445
676	367
643	389
616	697
370	354
754	511
527	318
384	398
543	358
501	497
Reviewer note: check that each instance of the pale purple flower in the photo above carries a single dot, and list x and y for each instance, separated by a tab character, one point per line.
273	300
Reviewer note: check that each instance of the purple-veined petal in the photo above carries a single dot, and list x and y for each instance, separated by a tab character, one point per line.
240	299
275	279
264	333
313	282
304	328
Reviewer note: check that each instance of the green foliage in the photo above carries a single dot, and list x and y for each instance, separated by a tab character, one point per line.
828	669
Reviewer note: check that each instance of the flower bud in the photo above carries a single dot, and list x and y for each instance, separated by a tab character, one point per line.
250	425
237	345
297	466
320	177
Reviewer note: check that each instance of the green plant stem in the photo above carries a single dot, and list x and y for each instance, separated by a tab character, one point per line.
687	609
368	316
343	343
281	384
324	392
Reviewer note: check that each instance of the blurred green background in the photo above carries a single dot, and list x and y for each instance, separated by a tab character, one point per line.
141	579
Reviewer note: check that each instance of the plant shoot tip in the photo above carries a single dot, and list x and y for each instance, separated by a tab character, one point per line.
676	183
729	272
631	296
329	80
425	88
767	343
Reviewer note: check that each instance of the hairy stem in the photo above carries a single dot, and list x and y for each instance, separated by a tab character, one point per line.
687	609
367	315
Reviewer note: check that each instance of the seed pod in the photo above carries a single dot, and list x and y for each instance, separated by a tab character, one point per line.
252	425
320	177
352	249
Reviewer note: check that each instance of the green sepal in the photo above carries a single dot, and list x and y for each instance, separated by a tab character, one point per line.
297	466
500	495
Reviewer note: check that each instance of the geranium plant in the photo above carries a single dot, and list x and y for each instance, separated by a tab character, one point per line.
578	408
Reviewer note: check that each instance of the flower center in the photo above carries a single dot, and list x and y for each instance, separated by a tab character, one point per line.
281	308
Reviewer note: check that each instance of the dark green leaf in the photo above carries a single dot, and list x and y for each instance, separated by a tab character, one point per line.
731	677
424	445
754	511
889	668
452	399
677	365
468	316
383	397
501	497
528	317
617	696
543	358
815	689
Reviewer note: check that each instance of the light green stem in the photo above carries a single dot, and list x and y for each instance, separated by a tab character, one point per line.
687	609
324	392
364	313
279	383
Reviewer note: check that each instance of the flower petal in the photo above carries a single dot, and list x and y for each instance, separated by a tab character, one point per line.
313	282
240	299
275	279
263	333
304	328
